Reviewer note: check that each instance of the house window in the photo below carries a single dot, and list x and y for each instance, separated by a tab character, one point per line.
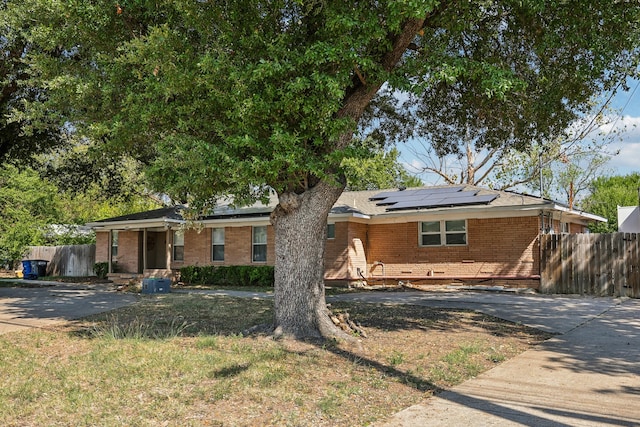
260	244
178	245
217	250
564	227
439	233
114	244
331	231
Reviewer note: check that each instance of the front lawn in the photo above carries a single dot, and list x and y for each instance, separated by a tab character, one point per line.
180	360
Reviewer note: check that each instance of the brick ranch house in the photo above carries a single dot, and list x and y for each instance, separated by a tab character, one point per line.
440	234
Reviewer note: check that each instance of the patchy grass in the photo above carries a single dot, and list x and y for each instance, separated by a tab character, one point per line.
180	360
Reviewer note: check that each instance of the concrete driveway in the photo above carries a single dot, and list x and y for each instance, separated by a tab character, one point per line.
588	375
37	307
549	313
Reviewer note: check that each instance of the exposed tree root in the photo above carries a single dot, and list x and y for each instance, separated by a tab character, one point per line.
343	321
335	327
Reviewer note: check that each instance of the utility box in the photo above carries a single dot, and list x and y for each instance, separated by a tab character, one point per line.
156	286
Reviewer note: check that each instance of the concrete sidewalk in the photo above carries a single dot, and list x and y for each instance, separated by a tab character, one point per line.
589	376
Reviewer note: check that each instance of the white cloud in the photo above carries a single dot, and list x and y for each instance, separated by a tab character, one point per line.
627	144
628	158
414	165
628	127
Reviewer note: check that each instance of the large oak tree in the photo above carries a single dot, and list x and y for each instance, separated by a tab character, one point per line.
248	96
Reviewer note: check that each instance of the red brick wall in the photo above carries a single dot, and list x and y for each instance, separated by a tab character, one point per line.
197	247
498	247
577	228
102	246
336	259
128	251
237	247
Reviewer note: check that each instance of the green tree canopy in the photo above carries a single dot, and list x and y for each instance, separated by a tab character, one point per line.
27	205
30	205
16	144
607	193
247	96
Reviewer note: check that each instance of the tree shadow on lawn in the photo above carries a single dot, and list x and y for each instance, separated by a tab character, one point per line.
202	316
400	317
166	316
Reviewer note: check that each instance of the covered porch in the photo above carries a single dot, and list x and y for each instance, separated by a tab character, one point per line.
138	245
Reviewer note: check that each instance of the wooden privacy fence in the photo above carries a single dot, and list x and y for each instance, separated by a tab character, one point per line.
590	264
68	260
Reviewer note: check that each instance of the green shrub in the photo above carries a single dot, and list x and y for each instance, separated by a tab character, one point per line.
101	269
232	275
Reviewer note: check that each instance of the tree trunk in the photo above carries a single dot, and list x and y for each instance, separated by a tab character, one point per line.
300	223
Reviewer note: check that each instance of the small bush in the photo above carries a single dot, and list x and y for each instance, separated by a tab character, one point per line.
101	269
232	275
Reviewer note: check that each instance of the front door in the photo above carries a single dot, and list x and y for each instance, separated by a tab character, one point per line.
156	250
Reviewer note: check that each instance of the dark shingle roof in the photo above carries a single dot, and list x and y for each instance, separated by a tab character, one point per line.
172	212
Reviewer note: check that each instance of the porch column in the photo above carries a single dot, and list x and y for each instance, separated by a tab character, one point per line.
109	256
144	250
169	246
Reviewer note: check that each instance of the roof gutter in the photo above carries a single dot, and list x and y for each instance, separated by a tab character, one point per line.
140	223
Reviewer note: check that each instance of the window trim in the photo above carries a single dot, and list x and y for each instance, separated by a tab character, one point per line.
176	246
214	244
254	244
114	243
443	233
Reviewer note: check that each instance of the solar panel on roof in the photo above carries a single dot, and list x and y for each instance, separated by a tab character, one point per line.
421	191
431	198
386	194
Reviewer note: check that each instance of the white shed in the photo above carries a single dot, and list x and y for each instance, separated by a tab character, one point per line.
629	219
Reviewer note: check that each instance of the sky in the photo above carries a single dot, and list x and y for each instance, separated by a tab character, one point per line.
623	132
628	161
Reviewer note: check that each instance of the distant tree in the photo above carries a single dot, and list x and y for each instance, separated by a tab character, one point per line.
96	184
381	171
92	205
27	205
607	193
565	163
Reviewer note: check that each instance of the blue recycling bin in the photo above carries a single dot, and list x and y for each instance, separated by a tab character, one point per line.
28	271
34	268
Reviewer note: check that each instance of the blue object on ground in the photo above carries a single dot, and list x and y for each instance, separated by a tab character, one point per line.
156	286
27	270
34	268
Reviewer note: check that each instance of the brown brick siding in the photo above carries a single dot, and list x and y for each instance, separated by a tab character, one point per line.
496	247
237	247
499	247
197	247
128	251
102	246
